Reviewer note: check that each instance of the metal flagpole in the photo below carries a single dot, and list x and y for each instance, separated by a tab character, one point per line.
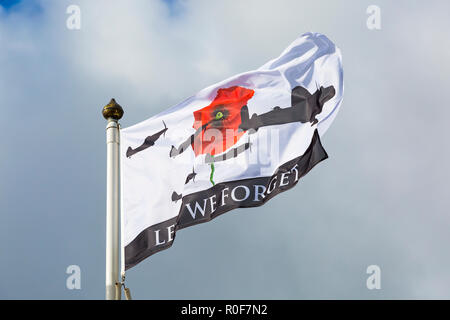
112	112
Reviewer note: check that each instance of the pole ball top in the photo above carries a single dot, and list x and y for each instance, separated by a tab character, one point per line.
112	110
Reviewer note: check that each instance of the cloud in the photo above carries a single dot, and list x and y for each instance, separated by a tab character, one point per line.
379	199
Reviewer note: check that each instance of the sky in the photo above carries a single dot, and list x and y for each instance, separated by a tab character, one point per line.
380	199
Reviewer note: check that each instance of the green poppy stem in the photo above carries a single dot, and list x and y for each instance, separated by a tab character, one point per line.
212	173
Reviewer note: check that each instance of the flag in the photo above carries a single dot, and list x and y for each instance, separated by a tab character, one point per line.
235	144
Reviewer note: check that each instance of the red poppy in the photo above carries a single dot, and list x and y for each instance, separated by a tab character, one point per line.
220	121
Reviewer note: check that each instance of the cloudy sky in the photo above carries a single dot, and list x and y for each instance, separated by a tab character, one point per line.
380	199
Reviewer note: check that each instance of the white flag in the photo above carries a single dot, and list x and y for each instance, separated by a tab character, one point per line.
235	144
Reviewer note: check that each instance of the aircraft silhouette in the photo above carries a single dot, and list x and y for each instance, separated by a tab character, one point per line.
232	153
304	108
176	196
148	142
191	176
174	151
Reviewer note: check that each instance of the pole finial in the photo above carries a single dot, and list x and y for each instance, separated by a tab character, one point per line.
112	110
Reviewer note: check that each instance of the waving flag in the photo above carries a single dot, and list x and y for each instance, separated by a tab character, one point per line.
235	144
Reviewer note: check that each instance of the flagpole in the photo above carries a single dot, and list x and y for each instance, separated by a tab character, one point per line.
112	112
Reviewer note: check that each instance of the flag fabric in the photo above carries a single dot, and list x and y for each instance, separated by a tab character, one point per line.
235	144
